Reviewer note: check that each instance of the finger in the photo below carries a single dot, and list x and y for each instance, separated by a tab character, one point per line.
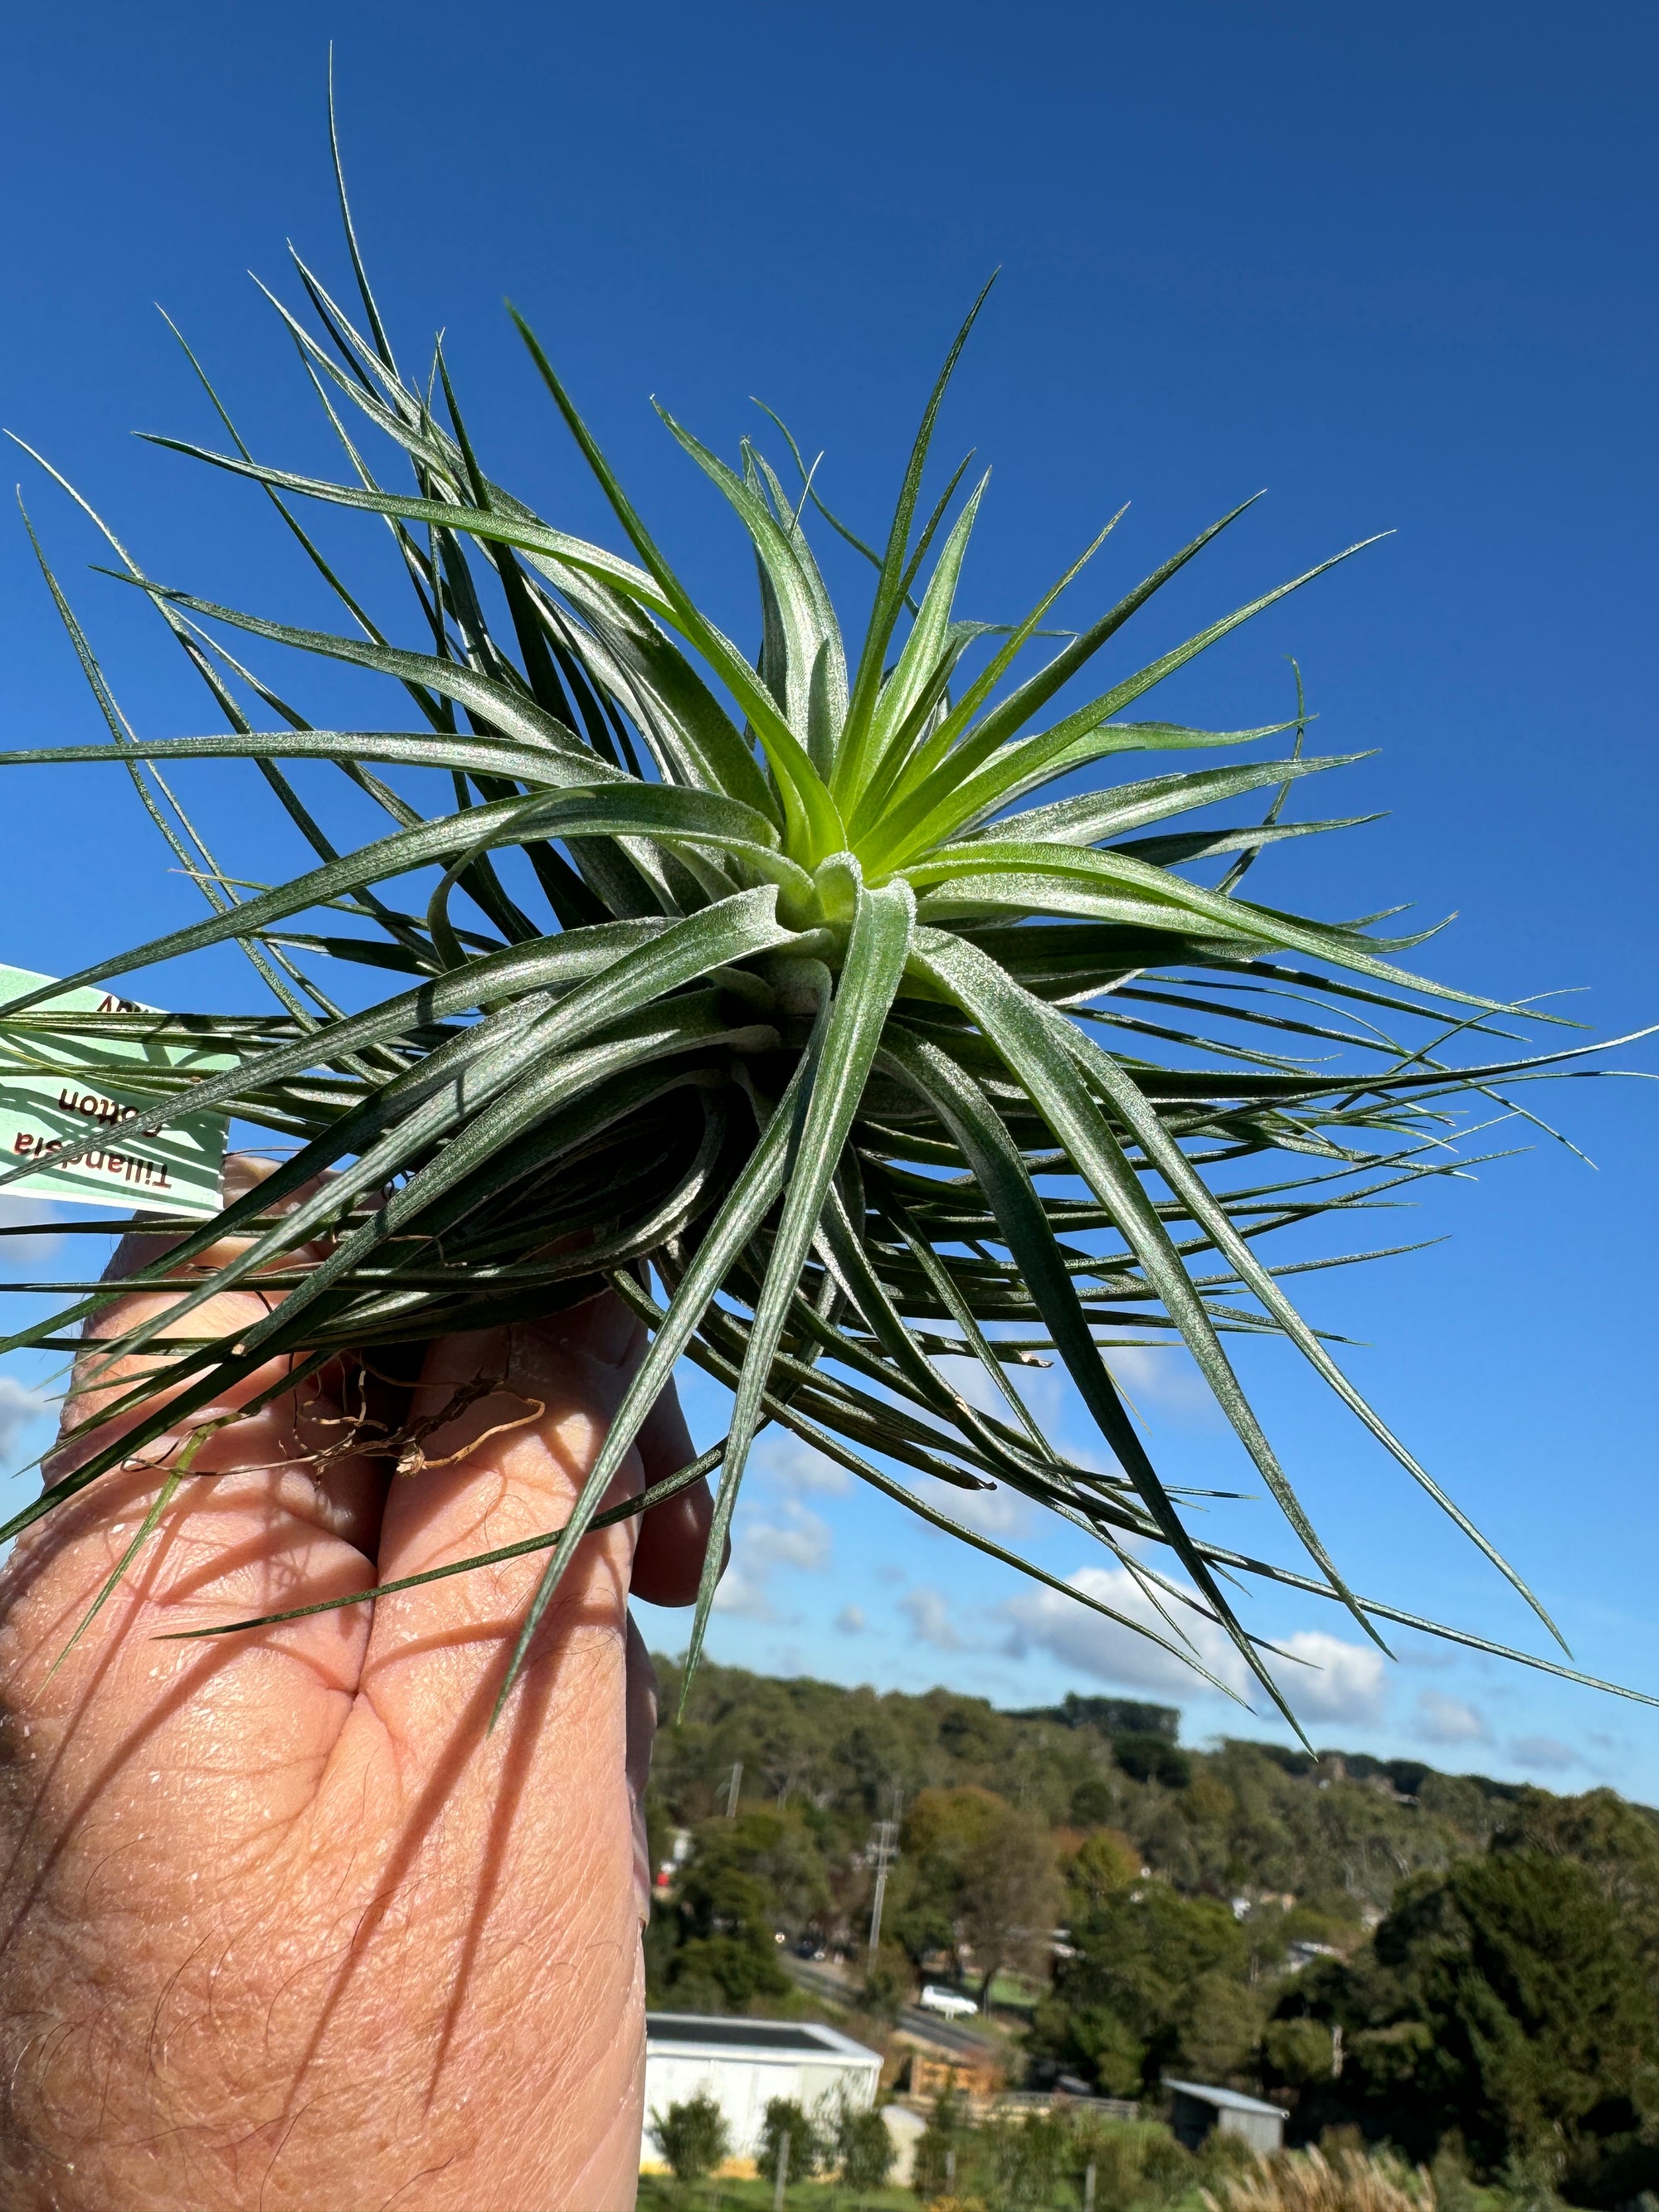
505	1426
271	1514
307	1427
674	1535
506	1857
530	1826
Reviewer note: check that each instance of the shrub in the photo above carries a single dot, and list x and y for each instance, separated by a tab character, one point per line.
784	2117
864	2149
933	2171
1028	2157
1167	2169
692	2137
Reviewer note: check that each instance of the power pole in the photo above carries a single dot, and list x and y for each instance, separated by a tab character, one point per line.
732	1788
884	1846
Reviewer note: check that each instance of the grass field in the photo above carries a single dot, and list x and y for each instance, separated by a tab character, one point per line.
658	2193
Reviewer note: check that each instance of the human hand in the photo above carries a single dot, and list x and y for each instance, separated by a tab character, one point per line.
283	1926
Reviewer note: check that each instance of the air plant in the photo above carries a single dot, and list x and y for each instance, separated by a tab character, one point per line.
771	993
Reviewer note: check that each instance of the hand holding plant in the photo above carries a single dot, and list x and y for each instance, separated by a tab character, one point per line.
286	1925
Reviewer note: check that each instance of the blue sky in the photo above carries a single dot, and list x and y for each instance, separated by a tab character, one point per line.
1393	265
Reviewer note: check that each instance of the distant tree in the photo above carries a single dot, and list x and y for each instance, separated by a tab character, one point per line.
1207	1803
1027	2160
864	2149
1009	1897
887	1986
944	1825
692	2137
1151	1758
780	1851
1299	2052
1094	1802
1542	2026
921	1915
1220	2025
972	1730
1102	1862
745	1879
941	1828
807	2146
1615	1842
987	1871
1151	1981
1504	2001
1208	1810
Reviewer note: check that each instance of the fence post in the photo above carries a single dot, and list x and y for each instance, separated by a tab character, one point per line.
783	2181
1089	2187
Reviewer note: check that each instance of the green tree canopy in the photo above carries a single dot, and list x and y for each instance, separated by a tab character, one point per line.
1507	2001
747	1877
1157	1982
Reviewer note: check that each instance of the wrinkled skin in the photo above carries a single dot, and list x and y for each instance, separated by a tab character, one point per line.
281	1925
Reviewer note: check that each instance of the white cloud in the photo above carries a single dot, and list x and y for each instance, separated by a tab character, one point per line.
929	1617
799	1539
743	1595
850	1620
1109	1651
1545	1751
18	1409
997	1512
1441	1719
784	1458
795	1538
1337	1680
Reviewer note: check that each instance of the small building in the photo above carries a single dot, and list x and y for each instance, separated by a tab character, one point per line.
1197	2111
971	2074
743	2063
1302	1955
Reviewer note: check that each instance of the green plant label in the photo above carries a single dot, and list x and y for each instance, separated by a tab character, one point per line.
59	1085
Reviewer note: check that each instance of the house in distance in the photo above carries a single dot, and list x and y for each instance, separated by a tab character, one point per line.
1198	2112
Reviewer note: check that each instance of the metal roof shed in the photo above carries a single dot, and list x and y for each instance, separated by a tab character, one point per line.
743	2063
1198	2110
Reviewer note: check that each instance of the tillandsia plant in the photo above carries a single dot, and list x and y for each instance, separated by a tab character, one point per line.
769	992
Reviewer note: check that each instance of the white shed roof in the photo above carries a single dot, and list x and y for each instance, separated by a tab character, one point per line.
706	2035
1229	2100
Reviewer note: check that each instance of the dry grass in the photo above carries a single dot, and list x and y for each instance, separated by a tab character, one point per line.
1346	2180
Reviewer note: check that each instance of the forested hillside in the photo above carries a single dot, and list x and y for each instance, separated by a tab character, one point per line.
1337	1834
1430	1957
